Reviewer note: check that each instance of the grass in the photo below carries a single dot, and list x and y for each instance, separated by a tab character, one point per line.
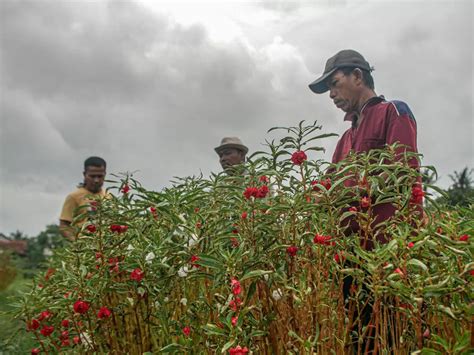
13	338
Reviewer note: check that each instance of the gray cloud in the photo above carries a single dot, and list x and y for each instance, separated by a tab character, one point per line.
147	93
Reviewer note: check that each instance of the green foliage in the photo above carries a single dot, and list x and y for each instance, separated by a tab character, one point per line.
261	260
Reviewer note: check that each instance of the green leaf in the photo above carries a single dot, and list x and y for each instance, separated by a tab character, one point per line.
255	273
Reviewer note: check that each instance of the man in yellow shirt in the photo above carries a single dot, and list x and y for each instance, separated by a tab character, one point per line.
94	175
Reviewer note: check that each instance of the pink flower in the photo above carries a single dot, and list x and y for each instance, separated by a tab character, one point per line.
35	351
264	179
125	189
47	330
76	339
417	194
81	307
353	209
410	245
399	271
298	157
238	350
365	202
104	312
292	250
234	321
91	228
464	238
137	275
236	288
186	331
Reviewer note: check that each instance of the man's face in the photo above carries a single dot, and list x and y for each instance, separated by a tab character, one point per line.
344	91
230	156
94	178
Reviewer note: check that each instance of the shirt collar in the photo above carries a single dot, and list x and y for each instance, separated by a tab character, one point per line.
350	116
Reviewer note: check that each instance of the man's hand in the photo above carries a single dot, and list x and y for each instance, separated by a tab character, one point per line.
66	230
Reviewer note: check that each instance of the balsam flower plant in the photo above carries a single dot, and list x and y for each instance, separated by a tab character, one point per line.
257	263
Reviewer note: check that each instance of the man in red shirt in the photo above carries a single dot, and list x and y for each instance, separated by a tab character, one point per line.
375	122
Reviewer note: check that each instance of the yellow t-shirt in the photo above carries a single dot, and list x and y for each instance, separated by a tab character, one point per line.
80	197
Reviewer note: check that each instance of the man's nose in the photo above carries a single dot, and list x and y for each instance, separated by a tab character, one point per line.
332	93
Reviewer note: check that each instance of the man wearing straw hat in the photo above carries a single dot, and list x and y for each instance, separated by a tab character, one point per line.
231	153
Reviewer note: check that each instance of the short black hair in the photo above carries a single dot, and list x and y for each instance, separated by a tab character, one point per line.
95	161
366	76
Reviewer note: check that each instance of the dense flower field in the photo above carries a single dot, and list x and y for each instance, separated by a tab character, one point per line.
264	262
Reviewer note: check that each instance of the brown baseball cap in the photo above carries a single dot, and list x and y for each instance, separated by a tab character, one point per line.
343	59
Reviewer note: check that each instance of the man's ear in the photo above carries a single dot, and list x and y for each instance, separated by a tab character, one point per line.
359	76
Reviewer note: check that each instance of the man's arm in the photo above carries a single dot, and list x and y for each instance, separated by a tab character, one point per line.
66	217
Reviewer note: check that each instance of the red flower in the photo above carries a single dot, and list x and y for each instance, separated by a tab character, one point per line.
235	304
464	238
235	231
410	245
47	330
104	312
117	228
262	191
91	228
125	189
338	257
64	335
325	183
198	225
234	242
236	288
250	192
322	239
35	351
238	350
292	250
137	275
417	194
353	209
76	339
67	294
426	333
244	215
65	323
186	331
193	260
398	271
472	272
44	315
65	342
32	324
81	307
264	179
365	202
234	321
196	209
298	157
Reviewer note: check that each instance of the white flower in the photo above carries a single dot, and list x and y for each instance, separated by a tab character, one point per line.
277	294
265	277
130	247
149	257
193	239
184	301
86	340
183	271
166	299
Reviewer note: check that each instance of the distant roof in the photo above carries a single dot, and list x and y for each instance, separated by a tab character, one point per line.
18	246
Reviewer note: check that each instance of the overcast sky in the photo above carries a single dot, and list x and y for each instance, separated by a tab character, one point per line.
153	86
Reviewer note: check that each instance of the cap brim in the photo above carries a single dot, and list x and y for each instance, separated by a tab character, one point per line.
319	86
236	146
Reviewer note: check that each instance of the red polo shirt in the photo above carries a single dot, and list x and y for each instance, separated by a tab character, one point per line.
381	123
